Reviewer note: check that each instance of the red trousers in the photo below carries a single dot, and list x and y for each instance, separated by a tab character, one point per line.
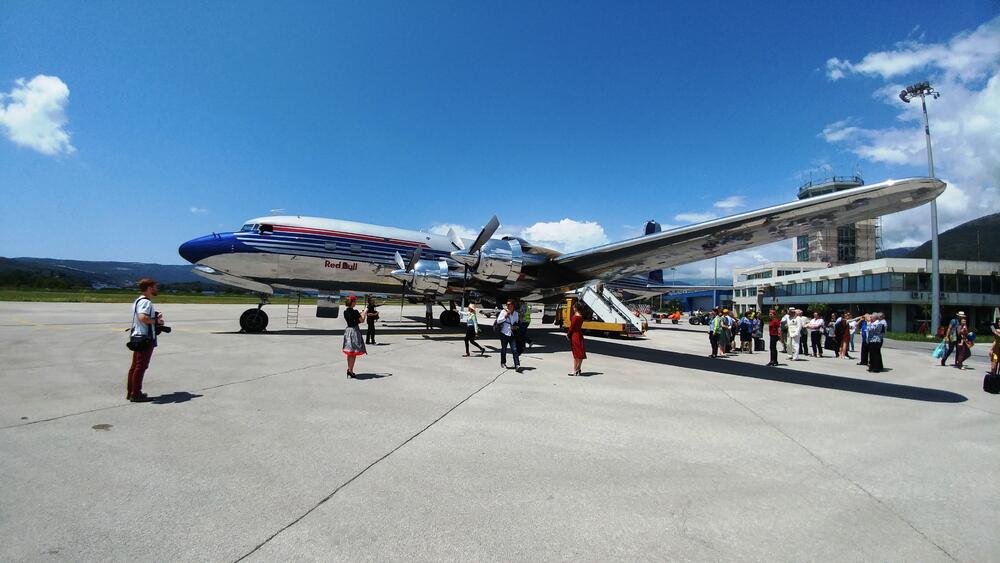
140	362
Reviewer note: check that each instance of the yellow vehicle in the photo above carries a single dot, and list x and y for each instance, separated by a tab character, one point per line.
564	316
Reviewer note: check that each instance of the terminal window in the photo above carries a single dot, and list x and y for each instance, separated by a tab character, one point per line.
802	248
847	244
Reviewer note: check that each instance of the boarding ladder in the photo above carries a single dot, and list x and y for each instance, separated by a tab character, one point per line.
609	309
292	313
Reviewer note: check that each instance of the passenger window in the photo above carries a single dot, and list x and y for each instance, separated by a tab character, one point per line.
266	229
330	245
356	248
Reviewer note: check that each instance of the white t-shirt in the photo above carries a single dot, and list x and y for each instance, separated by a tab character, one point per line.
505	320
429	307
141	306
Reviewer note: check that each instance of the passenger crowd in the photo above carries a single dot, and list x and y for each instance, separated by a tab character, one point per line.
798	335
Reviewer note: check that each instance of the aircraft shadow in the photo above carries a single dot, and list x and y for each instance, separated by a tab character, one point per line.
778	374
175	397
679	328
339	331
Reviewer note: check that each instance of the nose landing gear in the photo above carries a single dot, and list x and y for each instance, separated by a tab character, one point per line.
254	321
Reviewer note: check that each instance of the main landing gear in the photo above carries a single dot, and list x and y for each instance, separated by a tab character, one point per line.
450	317
254	321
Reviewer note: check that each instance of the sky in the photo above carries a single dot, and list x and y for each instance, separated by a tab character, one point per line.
127	128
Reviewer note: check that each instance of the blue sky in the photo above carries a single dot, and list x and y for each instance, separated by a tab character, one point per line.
165	121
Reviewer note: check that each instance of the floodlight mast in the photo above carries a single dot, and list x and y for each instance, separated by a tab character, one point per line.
923	89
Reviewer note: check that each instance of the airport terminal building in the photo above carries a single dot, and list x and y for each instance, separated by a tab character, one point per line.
898	287
837	267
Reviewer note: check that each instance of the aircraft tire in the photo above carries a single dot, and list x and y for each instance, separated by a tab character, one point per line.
253	321
449	318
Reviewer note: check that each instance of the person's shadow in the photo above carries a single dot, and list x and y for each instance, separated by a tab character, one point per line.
366	376
175	397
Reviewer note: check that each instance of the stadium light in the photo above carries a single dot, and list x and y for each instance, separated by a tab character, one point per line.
923	89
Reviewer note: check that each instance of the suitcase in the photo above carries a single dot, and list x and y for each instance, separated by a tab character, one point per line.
758	344
991	383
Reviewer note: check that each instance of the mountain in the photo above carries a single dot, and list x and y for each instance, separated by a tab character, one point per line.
899	252
978	239
82	273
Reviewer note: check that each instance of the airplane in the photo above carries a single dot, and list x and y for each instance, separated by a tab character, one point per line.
329	255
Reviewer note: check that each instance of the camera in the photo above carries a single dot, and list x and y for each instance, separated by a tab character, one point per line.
163	328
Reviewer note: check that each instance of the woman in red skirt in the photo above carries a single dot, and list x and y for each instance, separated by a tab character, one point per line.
575	335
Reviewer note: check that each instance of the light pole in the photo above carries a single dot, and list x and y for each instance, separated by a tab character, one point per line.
923	89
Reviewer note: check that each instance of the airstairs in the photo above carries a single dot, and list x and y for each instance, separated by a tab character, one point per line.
609	309
292	313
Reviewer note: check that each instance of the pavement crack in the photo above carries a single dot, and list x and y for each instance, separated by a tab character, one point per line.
838	473
368	467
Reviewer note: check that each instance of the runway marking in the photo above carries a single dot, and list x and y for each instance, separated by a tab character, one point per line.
365	470
836	472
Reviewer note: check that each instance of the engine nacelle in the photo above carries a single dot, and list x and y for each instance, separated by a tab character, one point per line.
429	277
499	261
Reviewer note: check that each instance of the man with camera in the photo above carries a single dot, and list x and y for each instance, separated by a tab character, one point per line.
146	324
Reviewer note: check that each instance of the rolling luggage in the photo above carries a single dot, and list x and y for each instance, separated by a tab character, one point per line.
991	383
758	344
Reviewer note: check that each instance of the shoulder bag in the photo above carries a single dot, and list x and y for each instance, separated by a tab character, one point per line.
142	342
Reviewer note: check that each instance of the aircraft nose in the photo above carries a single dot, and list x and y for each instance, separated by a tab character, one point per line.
198	249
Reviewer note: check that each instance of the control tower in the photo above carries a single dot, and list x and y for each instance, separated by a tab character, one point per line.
836	245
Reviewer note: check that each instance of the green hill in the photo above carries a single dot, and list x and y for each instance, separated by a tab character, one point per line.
978	239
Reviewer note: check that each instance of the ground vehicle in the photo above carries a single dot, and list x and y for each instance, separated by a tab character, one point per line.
698	318
674	317
488	312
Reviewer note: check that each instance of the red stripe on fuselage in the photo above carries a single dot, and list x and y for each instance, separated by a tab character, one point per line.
307	230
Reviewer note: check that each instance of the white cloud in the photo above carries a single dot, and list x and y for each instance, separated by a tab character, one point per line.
967	56
694	217
731	202
964	121
566	235
33	114
705	270
199	210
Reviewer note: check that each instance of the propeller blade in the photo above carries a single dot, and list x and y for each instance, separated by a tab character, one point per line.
485	234
456	240
414	258
399	261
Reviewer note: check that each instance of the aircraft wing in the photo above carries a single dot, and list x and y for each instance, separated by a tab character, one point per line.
675	288
738	232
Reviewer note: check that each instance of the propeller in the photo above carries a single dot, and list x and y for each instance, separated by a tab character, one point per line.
485	234
470	256
407	268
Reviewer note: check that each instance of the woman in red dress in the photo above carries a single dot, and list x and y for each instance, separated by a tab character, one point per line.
575	335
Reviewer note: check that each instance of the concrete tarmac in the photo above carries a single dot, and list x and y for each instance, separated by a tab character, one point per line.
258	447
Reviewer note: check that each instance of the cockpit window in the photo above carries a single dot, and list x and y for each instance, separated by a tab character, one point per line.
248	228
268	229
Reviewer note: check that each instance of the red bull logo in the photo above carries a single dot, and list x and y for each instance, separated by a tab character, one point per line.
340	265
